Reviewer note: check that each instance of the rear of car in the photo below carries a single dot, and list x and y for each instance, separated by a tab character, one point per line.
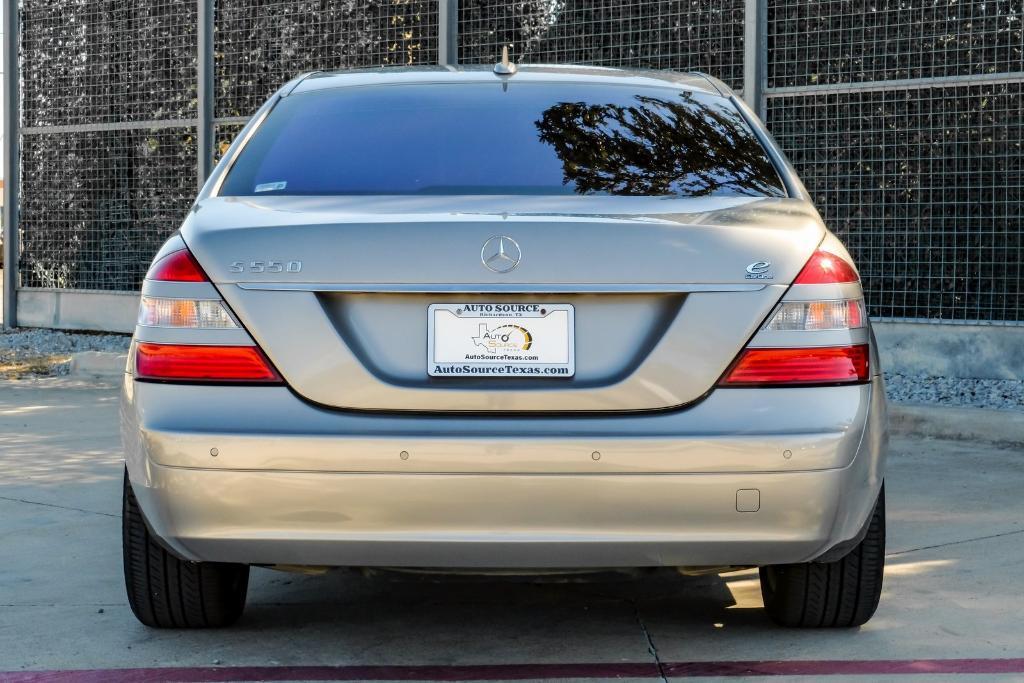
567	318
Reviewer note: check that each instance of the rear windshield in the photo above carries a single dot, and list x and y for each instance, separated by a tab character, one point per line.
525	139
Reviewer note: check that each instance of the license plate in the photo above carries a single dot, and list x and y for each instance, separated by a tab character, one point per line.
500	340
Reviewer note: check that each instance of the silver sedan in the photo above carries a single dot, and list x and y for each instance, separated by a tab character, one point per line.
475	319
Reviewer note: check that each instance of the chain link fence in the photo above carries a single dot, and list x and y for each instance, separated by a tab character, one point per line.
683	35
259	45
903	119
906	122
109	112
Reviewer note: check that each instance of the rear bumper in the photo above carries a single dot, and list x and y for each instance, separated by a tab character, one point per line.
294	484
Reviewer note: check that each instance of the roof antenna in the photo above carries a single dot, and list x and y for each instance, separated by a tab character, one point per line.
505	67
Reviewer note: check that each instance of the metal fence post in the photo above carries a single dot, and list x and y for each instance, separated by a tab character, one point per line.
755	54
12	132
204	91
448	32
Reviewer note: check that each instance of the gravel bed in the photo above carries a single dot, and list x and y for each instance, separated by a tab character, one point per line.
1001	394
53	347
48	342
36	352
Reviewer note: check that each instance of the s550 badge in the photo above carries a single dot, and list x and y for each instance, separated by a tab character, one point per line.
269	266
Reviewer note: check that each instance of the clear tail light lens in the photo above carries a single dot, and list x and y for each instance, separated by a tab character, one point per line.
790	367
805	316
184	313
194	363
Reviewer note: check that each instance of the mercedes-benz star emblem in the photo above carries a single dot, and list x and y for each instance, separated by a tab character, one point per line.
501	254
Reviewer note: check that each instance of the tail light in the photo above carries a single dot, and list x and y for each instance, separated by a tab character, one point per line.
791	367
795	355
174	312
194	363
188	313
193	318
826	268
178	266
842	314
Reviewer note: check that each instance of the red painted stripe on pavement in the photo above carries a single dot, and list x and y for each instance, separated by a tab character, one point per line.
877	667
494	672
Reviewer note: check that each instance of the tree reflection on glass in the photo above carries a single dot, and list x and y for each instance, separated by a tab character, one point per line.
658	147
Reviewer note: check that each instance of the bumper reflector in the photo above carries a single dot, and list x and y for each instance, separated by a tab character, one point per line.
788	367
192	363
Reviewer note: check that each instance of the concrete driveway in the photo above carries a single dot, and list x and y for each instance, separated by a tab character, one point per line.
952	604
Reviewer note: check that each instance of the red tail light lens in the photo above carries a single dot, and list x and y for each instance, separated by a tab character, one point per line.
178	266
787	367
191	363
824	268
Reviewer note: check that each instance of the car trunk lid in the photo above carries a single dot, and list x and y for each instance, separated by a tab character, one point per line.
665	292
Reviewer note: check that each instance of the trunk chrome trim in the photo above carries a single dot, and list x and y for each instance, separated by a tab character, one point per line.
492	288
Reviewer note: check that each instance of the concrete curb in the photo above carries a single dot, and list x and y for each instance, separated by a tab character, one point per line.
97	364
961	424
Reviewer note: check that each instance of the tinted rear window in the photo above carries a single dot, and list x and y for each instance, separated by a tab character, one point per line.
530	138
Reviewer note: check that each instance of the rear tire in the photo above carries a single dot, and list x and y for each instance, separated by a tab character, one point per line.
838	594
167	592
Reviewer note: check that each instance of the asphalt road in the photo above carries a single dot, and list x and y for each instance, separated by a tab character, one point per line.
953	597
